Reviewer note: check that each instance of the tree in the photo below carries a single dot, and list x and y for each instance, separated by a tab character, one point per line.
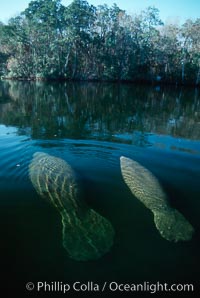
80	18
170	51
191	51
80	41
45	29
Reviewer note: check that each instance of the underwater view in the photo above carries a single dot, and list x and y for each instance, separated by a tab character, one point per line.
99	182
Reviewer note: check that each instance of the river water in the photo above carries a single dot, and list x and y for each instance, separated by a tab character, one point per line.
90	125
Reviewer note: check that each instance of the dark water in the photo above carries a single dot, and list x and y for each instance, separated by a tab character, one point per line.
91	126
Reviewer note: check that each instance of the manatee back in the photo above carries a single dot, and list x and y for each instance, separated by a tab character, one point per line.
86	234
171	224
55	180
143	184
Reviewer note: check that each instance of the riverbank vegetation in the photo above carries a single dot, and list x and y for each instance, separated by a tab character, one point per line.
83	42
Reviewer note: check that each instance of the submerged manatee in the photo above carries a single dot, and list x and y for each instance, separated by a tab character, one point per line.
171	224
86	234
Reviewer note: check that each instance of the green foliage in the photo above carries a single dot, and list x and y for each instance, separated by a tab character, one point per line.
80	41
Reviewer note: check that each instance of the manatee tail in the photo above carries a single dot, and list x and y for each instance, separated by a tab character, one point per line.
172	225
87	238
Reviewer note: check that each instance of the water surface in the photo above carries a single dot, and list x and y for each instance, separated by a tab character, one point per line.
91	126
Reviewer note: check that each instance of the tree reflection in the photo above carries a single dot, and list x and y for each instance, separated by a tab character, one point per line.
99	110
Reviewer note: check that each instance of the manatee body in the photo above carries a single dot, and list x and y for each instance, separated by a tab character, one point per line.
86	234
171	224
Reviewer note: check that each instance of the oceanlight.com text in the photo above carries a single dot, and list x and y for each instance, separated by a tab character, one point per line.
90	286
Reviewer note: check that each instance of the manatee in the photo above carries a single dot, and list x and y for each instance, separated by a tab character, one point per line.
171	224
86	234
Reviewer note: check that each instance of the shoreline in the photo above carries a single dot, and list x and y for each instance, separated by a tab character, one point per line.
138	82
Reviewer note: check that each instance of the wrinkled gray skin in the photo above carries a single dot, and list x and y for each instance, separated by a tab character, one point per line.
171	224
86	234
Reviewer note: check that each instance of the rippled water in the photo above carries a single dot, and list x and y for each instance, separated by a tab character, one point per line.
91	126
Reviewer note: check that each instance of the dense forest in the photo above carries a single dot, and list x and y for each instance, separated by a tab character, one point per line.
83	42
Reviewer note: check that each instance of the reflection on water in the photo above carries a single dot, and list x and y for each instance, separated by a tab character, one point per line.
90	126
170	223
121	113
86	234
